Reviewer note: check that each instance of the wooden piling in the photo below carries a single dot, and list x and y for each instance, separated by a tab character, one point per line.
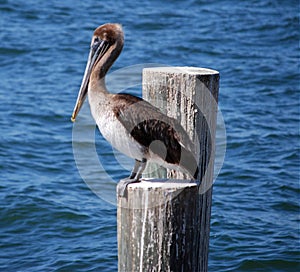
164	225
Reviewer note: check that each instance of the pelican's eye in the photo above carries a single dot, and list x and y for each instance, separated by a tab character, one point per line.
96	43
96	40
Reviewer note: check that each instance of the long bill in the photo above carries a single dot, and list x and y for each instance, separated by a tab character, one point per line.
98	49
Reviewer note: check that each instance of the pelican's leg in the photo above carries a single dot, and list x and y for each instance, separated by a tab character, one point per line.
135	176
141	169
135	169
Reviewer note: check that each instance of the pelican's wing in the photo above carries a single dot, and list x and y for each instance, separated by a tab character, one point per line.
147	124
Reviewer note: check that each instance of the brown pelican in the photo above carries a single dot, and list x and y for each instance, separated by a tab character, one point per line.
130	124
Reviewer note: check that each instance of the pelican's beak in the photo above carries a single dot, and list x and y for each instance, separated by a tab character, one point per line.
98	49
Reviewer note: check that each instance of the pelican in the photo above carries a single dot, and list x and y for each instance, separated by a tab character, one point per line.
131	125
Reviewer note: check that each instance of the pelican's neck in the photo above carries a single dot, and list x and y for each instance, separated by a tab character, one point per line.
97	85
97	78
98	97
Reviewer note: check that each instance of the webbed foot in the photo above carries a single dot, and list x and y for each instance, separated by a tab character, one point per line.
122	185
135	176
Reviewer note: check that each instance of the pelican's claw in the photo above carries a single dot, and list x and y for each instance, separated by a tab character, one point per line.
121	188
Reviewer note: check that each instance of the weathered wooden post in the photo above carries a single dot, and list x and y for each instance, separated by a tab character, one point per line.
163	225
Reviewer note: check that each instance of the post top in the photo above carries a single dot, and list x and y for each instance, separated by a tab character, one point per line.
183	69
162	183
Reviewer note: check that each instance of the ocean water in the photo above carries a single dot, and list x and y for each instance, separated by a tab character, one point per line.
51	220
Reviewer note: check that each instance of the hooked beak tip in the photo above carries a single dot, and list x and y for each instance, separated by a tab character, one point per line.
74	115
76	108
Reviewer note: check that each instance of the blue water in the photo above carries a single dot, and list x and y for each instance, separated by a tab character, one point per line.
50	220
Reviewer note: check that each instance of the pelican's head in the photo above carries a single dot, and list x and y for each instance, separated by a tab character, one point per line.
106	45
